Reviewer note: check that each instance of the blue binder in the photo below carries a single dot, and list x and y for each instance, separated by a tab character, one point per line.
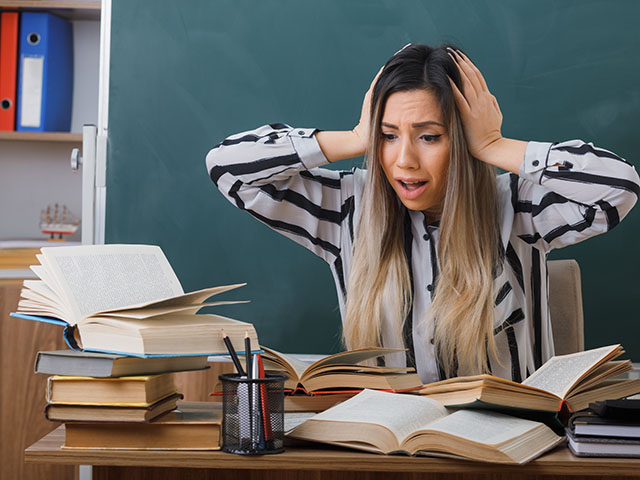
45	76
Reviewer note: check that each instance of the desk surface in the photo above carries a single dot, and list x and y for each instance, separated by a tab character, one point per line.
557	462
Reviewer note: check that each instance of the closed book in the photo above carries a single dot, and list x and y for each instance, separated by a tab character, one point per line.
130	391
305	403
193	426
592	446
93	364
8	69
109	413
590	424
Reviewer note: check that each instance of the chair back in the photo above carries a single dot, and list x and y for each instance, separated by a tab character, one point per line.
565	306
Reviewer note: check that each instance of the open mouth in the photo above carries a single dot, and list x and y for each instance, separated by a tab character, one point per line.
412	185
411	189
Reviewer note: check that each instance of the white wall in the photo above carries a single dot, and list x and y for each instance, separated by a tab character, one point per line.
36	174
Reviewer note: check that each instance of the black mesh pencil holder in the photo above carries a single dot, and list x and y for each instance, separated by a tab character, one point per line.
252	414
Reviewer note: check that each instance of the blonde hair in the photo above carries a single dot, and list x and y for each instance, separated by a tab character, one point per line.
469	244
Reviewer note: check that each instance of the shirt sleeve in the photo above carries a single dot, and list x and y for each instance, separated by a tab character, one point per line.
570	191
271	172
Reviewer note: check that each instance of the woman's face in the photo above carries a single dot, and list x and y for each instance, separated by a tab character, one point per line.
415	148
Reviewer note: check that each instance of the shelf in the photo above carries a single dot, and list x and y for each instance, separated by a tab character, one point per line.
67	9
42	136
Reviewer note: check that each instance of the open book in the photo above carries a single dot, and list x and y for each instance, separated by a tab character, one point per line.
344	370
125	299
385	422
575	379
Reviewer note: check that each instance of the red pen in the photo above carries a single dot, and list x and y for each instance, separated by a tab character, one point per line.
266	415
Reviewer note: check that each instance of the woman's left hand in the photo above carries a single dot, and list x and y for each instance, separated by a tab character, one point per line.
479	111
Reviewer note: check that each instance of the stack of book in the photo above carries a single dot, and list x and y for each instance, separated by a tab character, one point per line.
606	429
130	326
117	401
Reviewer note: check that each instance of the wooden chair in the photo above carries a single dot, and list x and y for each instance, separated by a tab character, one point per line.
565	306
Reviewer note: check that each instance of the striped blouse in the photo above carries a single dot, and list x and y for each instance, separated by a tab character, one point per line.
564	193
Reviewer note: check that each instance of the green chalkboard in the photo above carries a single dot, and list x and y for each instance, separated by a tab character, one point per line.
186	74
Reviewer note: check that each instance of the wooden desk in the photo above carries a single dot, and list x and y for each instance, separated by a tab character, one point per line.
317	464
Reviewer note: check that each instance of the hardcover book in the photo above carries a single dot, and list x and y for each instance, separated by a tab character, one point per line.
127	391
94	364
110	413
192	426
385	422
344	370
125	299
575	379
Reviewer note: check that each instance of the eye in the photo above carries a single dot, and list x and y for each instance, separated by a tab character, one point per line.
430	138
387	137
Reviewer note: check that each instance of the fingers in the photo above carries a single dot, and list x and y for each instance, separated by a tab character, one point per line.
476	72
468	87
461	101
469	71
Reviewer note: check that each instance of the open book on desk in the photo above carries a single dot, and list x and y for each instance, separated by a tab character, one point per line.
125	299
575	379
344	370
385	422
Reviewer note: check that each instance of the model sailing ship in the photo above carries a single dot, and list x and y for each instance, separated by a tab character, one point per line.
58	223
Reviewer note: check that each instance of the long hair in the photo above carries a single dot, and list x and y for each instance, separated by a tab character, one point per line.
379	285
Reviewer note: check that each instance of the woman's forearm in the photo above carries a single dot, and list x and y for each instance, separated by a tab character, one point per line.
505	153
340	145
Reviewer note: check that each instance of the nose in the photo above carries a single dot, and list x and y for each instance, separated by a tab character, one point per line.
407	157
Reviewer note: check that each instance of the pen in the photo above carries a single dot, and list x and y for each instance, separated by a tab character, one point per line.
264	401
234	355
247	353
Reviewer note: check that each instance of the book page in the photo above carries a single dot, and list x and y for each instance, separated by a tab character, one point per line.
101	277
560	373
483	426
46	277
352	357
149	312
288	362
400	413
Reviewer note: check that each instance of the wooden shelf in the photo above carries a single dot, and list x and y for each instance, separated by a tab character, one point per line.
67	9
42	137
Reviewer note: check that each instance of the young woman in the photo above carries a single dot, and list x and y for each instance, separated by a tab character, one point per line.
429	250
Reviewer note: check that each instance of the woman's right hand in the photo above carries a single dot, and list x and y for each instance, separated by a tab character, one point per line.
361	130
349	143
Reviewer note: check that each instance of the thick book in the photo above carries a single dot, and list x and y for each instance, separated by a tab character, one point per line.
110	413
588	423
192	426
94	364
384	422
344	370
122	391
125	299
575	379
304	403
595	446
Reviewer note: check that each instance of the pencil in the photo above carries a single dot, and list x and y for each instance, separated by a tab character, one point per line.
234	355
247	354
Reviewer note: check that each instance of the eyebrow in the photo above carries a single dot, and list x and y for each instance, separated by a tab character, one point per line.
414	125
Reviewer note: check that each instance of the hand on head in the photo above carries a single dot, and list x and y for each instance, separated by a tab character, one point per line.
362	129
479	110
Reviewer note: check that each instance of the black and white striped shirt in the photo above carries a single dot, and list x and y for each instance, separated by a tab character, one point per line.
565	192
